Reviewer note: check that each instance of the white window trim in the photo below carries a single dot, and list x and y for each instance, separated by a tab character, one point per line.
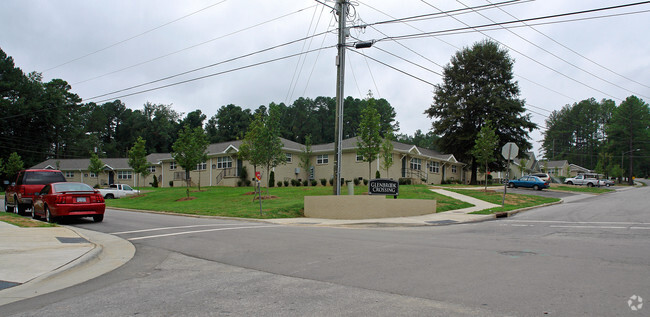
289	157
322	159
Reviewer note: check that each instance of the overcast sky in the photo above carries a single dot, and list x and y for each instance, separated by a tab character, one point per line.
104	46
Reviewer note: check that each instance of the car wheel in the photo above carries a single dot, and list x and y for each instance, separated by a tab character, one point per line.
536	187
34	215
109	196
21	209
7	207
590	184
48	216
511	185
98	218
569	183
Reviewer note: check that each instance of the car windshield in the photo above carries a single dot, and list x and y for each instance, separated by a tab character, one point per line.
72	187
40	178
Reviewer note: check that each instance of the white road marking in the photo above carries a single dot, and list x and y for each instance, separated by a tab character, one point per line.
589	227
178	227
581	222
640	228
199	231
515	225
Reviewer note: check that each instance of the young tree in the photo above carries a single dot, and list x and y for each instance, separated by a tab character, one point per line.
305	156
369	141
14	164
387	152
262	145
96	166
478	86
138	158
189	150
485	145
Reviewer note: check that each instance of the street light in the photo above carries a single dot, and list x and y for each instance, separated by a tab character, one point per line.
623	154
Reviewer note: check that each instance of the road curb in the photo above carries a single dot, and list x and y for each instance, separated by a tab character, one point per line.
109	253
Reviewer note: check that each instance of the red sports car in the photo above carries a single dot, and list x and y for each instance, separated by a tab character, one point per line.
68	199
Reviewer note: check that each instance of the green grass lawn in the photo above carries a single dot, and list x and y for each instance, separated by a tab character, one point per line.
581	189
24	222
512	202
238	201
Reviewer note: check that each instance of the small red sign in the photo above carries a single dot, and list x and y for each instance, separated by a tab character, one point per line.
258	175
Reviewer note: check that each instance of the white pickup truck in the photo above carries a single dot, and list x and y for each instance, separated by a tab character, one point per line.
590	180
118	191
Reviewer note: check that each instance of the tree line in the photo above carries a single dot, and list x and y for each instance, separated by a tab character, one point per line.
42	120
601	136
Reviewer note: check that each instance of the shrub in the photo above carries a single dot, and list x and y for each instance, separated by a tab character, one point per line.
305	183
408	181
240	183
272	179
314	182
424	180
155	182
243	174
331	182
401	181
356	182
279	183
342	181
365	181
295	182
377	174
323	181
286	183
171	183
248	182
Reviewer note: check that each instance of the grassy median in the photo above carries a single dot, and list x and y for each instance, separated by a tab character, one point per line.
22	221
512	201
284	202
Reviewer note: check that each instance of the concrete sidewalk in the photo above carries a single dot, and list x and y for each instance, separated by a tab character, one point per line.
36	261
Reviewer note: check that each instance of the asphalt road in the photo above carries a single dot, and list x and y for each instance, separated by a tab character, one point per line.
586	257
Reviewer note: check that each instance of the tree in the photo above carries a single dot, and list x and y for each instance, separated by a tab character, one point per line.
189	150
96	166
138	159
478	86
305	156
262	145
387	153
369	141
485	146
230	123
629	130
14	164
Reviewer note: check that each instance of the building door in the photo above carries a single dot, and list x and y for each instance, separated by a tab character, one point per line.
404	166
111	178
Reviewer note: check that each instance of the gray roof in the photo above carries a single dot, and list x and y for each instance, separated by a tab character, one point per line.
555	164
351	144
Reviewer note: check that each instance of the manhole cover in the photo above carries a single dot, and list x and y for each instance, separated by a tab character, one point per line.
517	253
72	240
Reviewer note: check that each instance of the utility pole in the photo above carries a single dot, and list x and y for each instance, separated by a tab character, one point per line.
342	10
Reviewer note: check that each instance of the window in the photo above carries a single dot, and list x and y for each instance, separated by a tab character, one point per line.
152	169
172	165
453	169
69	174
289	157
434	167
322	159
416	164
224	162
93	174
359	157
201	166
124	174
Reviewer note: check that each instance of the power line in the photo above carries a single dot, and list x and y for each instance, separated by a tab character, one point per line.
135	36
554	55
207	66
193	46
394	68
206	76
536	61
571	50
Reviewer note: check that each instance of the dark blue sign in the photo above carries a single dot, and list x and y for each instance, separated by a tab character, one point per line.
382	186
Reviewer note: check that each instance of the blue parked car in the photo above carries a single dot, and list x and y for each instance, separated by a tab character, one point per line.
533	182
